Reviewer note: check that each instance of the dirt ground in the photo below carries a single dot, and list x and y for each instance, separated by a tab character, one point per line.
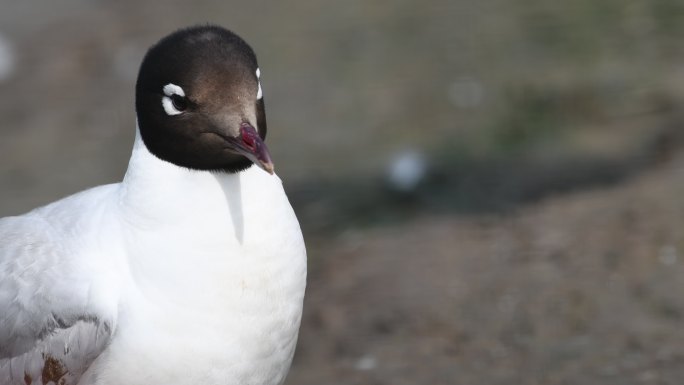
583	288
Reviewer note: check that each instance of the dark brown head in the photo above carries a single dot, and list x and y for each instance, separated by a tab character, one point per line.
199	103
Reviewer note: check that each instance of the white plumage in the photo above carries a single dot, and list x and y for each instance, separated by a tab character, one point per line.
173	276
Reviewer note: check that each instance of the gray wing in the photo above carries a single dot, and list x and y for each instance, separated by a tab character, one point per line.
51	326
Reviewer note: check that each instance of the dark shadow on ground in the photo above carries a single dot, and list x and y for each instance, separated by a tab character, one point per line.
471	186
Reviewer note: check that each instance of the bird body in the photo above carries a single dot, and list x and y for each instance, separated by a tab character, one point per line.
176	275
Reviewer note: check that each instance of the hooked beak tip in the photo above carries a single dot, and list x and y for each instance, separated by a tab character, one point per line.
268	167
254	148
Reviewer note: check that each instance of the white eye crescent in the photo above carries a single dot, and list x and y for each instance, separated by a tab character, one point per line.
260	94
171	90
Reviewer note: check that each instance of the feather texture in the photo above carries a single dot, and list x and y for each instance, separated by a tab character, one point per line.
172	276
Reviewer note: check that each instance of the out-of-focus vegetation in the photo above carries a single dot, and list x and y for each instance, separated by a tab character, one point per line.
349	85
509	102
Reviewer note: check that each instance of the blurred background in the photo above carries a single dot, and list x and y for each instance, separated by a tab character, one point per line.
492	192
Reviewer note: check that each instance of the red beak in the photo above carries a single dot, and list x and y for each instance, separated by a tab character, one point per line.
253	147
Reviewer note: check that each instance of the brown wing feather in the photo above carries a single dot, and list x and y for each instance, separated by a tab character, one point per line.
61	357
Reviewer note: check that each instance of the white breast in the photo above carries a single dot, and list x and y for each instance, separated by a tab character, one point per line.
216	270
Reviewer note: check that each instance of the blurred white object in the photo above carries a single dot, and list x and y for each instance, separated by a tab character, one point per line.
7	59
466	93
366	363
407	170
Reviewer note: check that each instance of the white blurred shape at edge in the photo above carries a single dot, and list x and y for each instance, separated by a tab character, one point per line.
7	59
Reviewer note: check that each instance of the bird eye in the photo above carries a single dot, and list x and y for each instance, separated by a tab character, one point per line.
179	102
174	101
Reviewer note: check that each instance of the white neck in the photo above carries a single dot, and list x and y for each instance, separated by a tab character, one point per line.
155	191
178	215
221	252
